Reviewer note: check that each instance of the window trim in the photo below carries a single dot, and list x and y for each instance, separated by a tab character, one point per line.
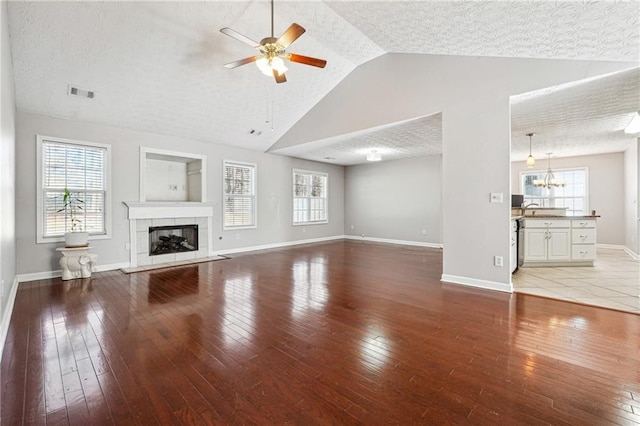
40	238
255	194
565	169
293	197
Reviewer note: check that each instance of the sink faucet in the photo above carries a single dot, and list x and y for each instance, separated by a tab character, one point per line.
524	207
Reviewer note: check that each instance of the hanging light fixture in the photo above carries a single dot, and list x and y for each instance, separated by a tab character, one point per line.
549	179
531	162
374	156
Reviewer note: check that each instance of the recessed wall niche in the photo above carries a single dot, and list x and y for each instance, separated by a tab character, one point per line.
171	176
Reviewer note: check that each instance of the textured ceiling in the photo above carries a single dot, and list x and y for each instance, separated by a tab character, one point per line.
586	117
417	137
157	66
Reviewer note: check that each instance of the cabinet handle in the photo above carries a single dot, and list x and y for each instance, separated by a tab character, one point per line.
583	252
548	223
583	236
583	223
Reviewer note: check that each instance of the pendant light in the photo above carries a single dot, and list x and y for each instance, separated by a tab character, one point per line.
531	162
549	179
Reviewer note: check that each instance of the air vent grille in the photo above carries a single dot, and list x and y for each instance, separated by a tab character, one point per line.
83	93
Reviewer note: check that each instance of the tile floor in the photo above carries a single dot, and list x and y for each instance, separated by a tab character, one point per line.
613	282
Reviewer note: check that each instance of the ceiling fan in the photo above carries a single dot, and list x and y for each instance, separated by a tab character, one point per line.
272	51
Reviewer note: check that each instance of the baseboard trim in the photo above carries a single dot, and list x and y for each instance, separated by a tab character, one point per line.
6	316
22	278
610	246
631	254
279	245
473	282
390	241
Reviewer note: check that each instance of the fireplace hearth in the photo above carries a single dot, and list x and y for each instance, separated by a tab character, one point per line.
172	239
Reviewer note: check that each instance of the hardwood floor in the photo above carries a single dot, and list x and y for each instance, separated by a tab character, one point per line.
338	333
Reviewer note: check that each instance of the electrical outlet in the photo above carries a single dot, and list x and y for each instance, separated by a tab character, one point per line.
237	236
498	261
127	246
304	230
352	227
424	232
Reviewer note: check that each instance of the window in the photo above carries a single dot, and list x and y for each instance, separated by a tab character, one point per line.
82	167
309	197
574	195
239	204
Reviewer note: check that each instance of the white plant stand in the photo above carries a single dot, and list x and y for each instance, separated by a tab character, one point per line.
77	262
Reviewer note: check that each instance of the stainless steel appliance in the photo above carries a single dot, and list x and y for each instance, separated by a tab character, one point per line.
520	241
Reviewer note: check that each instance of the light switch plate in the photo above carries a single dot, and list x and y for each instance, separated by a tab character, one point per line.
497	197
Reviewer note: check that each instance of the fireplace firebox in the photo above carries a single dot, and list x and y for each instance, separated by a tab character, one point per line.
172	239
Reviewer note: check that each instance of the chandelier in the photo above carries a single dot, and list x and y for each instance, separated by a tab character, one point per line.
549	179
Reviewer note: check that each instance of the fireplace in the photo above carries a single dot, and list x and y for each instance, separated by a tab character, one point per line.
143	215
172	239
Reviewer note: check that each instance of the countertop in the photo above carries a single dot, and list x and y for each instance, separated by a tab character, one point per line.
556	216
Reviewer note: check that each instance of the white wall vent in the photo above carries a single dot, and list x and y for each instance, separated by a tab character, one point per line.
80	92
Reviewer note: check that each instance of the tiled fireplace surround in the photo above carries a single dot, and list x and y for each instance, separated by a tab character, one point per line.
142	215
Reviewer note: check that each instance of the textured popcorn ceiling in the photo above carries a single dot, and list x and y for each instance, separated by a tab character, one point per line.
581	118
157	66
417	137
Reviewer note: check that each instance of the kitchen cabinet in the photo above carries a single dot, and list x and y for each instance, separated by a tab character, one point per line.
583	240
560	242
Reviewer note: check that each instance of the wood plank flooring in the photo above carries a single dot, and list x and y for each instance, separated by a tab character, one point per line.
344	332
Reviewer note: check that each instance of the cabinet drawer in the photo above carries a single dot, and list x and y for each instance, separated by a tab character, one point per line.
583	252
583	223
583	236
548	223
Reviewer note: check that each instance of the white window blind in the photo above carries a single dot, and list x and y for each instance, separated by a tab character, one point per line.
82	169
573	196
239	195
309	197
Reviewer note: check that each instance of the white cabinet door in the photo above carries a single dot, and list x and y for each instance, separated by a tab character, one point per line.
535	240
559	244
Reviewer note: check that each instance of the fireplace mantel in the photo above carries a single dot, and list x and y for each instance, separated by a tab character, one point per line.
168	209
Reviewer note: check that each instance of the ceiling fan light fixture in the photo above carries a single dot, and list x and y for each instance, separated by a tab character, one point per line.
278	64
634	125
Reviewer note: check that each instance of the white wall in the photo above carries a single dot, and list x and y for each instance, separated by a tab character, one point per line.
7	179
273	191
473	95
631	197
606	189
395	200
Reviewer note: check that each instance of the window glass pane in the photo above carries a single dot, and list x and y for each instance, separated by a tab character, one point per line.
239	199
81	169
573	195
310	193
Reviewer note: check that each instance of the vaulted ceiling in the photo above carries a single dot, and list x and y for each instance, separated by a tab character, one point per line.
158	66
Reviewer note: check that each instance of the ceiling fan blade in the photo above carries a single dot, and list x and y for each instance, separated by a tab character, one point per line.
234	34
240	62
307	60
290	35
280	78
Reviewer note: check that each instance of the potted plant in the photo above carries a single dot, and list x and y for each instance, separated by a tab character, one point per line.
72	205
